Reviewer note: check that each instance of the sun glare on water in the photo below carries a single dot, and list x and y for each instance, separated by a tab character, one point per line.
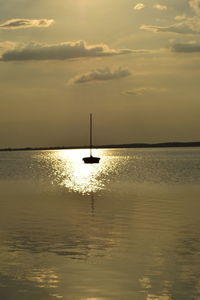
78	176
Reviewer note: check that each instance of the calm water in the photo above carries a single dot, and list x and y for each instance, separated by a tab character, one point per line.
128	228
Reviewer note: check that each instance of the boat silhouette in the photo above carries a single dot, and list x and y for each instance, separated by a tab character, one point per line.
91	159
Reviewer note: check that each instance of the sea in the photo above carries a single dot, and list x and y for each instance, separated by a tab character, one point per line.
127	228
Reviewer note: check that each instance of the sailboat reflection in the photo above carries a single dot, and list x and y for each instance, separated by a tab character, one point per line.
92	204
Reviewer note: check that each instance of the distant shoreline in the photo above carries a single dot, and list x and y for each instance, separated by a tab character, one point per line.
135	145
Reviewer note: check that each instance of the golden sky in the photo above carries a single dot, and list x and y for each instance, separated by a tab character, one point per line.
135	65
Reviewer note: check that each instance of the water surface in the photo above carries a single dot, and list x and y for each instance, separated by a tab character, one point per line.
127	228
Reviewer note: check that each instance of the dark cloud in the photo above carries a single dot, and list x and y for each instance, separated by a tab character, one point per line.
61	51
186	48
101	75
26	23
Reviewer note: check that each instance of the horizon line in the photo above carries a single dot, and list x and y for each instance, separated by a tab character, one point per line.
126	145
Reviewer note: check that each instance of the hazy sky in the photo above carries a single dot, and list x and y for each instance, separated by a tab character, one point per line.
135	65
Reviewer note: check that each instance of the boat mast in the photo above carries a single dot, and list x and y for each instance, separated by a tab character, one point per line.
91	159
90	134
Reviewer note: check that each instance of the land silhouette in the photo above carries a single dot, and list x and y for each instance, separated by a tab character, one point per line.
133	145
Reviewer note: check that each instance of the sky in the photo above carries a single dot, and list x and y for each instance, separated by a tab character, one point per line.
134	65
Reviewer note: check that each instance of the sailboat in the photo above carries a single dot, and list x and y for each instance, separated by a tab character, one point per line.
91	159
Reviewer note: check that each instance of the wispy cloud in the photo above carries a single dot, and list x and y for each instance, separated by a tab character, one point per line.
160	7
184	25
139	6
5	46
144	91
187	26
61	51
195	4
176	28
180	18
26	23
100	75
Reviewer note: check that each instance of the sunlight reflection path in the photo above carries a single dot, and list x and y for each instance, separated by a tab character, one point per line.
80	177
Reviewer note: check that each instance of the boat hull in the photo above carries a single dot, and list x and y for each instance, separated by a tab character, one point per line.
91	160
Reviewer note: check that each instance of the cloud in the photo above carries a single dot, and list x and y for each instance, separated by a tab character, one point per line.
62	51
176	28
160	7
187	26
101	75
186	48
143	91
195	4
26	23
5	46
180	18
134	92
139	6
184	25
